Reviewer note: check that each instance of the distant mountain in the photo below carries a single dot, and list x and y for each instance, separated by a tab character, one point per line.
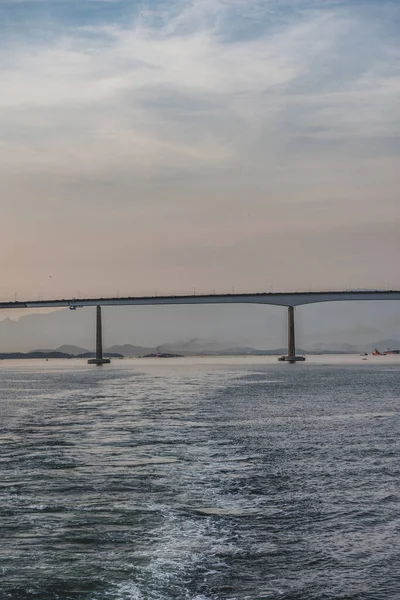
130	350
35	354
65	349
194	347
71	349
106	354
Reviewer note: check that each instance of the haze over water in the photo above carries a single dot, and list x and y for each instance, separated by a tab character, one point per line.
217	479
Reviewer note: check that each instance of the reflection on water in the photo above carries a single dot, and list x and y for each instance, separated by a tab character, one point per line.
204	479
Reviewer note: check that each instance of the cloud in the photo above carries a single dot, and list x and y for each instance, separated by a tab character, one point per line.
222	120
178	90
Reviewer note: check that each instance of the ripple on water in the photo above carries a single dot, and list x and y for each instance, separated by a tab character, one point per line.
222	482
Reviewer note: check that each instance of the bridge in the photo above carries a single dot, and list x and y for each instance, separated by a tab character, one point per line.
287	299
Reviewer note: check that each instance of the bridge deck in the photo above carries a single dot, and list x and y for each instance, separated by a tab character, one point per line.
277	299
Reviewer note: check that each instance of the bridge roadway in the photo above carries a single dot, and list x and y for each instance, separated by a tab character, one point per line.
277	299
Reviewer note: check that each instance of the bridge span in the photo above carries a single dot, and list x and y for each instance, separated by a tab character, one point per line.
276	298
287	299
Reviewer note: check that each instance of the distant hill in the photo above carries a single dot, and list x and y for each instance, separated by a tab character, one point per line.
130	350
36	354
65	349
196	347
106	354
71	349
192	347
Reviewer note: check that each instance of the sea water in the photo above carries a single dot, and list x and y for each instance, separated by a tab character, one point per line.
200	479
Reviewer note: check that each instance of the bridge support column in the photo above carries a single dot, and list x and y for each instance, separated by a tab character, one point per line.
291	355
99	360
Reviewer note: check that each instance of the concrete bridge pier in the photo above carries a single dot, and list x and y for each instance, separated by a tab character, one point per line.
291	355
99	360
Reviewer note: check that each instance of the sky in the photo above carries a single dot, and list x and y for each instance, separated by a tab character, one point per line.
214	145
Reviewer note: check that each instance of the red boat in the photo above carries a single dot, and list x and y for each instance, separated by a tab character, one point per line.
376	352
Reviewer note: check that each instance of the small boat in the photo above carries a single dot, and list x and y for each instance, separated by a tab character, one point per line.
376	352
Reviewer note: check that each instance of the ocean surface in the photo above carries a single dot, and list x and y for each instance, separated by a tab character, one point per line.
200	479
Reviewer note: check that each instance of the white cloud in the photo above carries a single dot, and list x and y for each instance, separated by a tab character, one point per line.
121	86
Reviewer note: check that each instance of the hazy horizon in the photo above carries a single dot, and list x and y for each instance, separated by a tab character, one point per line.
261	327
